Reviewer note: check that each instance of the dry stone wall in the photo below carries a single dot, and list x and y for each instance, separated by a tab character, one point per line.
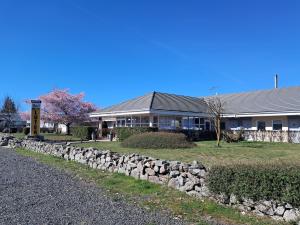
188	178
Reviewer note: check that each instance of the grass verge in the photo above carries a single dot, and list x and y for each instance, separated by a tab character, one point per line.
149	195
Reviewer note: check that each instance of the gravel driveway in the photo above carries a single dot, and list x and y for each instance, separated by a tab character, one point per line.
36	194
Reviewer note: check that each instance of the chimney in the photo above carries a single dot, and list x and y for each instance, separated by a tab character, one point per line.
276	81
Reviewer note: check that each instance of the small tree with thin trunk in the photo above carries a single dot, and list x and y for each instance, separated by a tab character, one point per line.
215	110
61	107
8	112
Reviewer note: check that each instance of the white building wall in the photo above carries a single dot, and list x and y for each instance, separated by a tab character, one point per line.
62	128
251	123
269	122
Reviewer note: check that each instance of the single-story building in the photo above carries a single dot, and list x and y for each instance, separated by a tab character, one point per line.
265	110
270	110
161	110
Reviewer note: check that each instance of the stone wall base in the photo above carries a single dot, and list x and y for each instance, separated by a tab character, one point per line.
188	178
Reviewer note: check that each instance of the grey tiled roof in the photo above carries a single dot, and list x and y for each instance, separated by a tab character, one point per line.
281	100
137	104
159	101
171	102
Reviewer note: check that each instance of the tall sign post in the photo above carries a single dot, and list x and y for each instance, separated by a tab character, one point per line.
35	120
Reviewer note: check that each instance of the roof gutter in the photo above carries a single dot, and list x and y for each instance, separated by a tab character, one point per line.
159	112
261	114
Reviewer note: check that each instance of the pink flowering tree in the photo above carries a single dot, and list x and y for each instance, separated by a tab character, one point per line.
25	115
61	107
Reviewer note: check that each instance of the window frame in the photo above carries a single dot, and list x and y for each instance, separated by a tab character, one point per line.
260	121
277	124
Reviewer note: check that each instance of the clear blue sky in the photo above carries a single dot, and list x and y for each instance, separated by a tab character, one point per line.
115	50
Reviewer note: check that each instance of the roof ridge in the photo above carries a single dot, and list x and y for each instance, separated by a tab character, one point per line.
152	99
179	95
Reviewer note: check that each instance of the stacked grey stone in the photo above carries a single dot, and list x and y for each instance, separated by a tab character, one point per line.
182	176
188	178
273	209
4	139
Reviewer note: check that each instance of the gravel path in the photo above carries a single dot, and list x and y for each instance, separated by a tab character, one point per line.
36	194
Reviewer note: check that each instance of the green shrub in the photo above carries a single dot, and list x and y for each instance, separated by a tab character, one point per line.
157	140
26	130
106	132
198	135
20	129
13	130
82	132
47	130
44	130
258	182
125	132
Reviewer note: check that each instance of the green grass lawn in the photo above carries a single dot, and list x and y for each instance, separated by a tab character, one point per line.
149	195
51	137
207	152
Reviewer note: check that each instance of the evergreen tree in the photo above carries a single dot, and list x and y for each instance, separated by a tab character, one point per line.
9	106
8	112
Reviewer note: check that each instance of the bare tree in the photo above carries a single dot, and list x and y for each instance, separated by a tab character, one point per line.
8	112
215	110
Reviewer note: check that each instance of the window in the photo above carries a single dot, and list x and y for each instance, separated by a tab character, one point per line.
121	122
194	123
294	123
145	121
239	123
261	125
166	122
277	125
201	120
128	121
223	126
207	125
136	121
155	121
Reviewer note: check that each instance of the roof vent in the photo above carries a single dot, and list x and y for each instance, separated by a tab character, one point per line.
276	81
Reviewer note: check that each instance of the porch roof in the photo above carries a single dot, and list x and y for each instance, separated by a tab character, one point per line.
156	102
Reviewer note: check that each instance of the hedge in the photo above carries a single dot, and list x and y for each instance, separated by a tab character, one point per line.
47	130
82	132
258	182
26	130
199	135
157	140
125	132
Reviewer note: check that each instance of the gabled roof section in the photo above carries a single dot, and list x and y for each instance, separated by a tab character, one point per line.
283	100
181	103
158	101
140	103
